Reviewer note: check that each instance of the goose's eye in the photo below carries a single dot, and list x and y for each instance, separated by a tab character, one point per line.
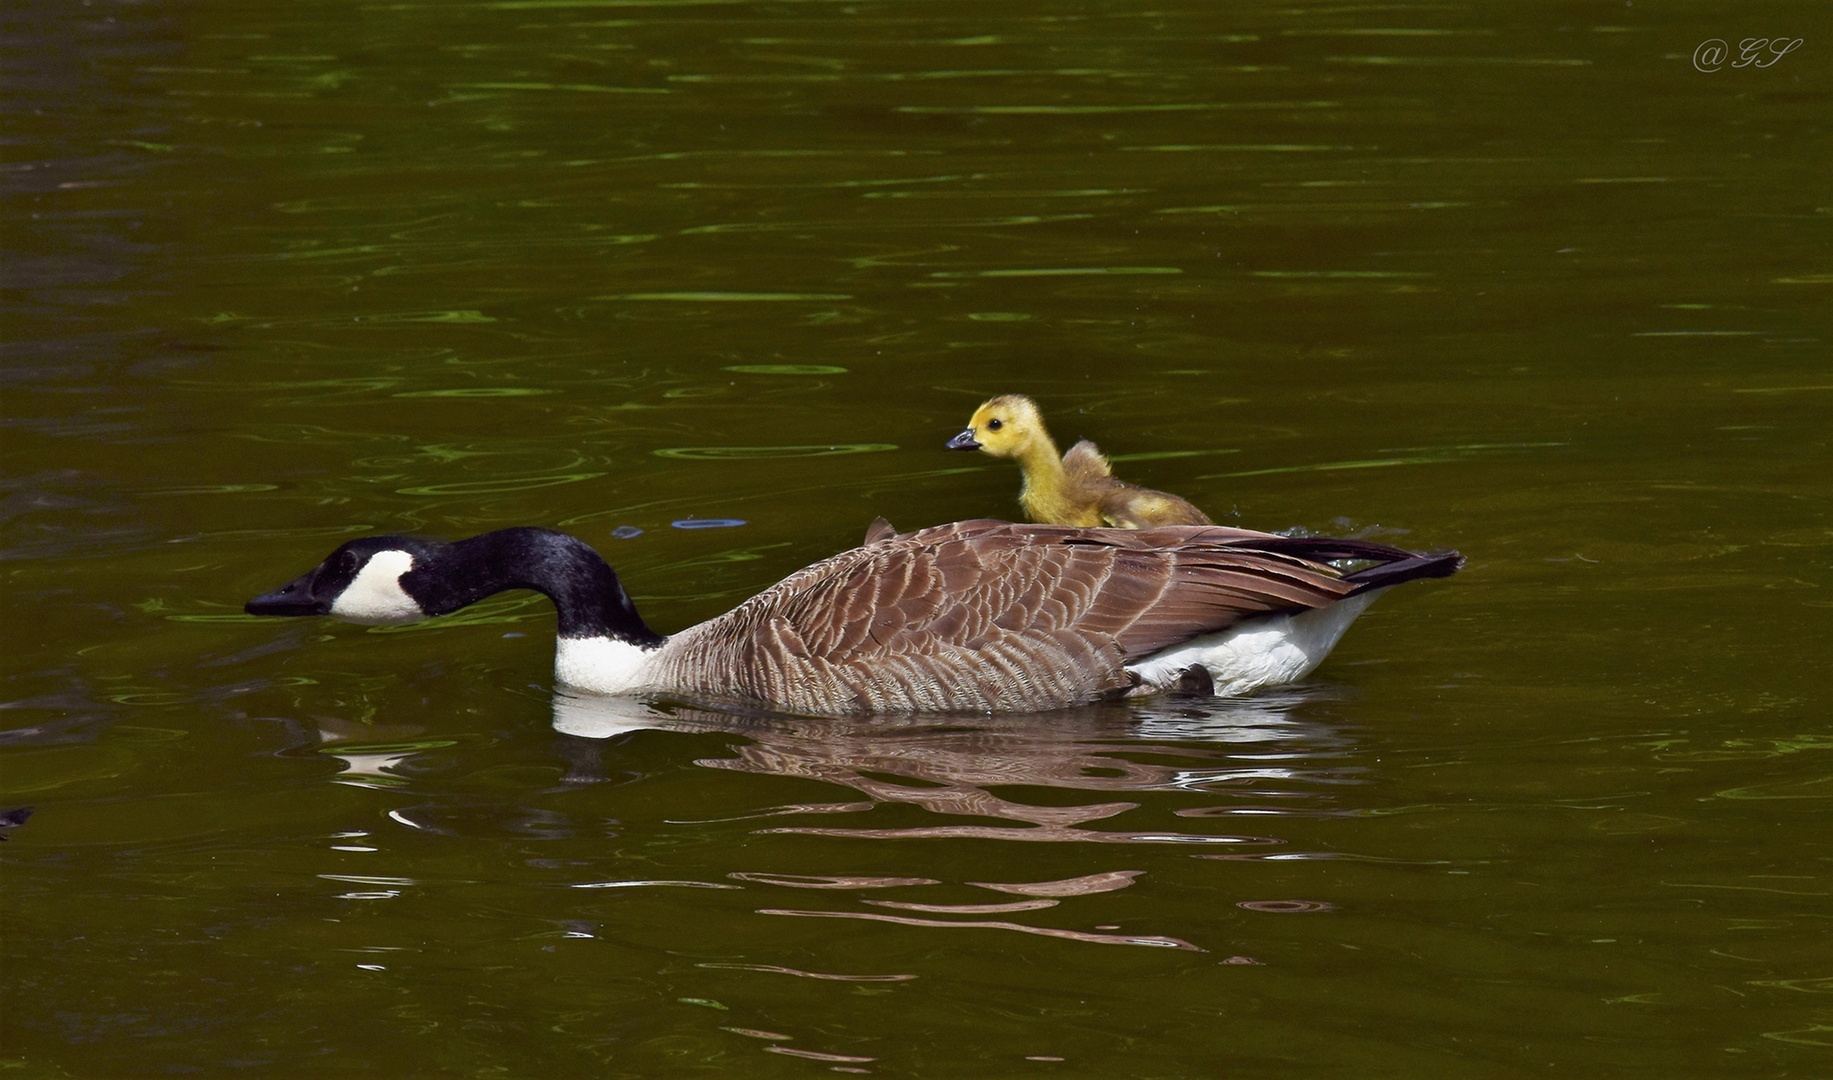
995	425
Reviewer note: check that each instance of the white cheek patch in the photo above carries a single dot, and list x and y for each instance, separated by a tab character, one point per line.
376	596
600	665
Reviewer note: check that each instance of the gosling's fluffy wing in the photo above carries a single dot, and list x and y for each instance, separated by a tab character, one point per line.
1084	462
1091	481
1130	507
990	615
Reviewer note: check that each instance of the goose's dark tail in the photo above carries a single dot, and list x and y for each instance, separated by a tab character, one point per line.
1411	568
1394	565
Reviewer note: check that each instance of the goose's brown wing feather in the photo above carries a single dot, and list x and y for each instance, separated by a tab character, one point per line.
1202	587
991	615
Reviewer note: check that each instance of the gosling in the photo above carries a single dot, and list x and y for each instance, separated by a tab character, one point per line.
1079	488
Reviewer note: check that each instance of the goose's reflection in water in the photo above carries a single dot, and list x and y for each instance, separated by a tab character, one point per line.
1260	747
1262	756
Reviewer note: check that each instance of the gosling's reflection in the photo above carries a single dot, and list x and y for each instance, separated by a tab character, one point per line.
951	766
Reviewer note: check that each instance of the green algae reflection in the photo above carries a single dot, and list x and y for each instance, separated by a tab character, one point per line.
786	369
750	453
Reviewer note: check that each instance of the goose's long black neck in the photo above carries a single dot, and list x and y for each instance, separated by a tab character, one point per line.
584	589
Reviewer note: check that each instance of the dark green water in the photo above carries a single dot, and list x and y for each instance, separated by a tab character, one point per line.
1515	279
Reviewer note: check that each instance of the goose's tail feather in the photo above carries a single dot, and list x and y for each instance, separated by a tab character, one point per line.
1411	568
1395	565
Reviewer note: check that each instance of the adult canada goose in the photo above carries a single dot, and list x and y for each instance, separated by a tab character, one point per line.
1078	488
977	616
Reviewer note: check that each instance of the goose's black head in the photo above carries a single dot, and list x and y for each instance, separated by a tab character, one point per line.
394	579
360	581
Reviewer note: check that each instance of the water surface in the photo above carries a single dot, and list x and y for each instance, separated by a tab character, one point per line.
708	284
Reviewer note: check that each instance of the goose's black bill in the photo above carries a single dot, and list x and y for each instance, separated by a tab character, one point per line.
293	598
963	441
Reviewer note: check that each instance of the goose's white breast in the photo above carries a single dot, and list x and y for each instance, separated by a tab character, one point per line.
601	665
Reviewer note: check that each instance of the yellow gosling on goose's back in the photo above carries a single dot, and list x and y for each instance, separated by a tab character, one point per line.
1078	488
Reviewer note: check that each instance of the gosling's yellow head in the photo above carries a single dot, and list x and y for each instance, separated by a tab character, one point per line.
1003	427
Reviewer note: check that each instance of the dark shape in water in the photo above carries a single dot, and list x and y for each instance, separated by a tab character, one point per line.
12	819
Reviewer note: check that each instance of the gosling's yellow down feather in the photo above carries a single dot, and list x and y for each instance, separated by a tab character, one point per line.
1078	488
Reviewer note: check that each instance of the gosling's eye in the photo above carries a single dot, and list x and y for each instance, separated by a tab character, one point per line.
995	425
